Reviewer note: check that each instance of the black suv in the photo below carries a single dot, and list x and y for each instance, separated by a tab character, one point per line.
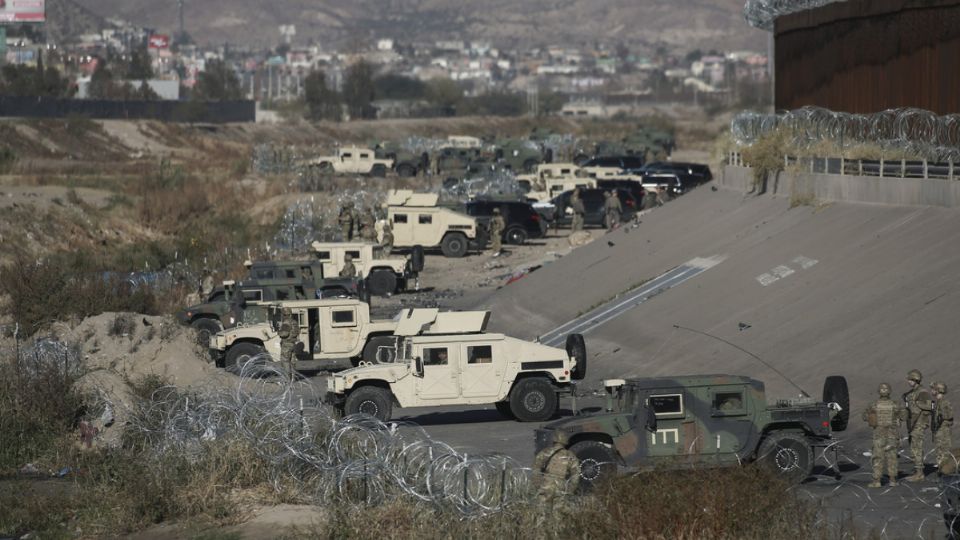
523	222
593	200
268	281
626	163
697	172
635	187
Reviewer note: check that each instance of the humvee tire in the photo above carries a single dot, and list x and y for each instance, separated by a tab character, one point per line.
530	165
786	454
382	282
533	400
503	407
238	356
406	171
835	391
454	245
370	400
416	258
516	235
205	328
372	348
578	350
326	168
379	171
598	463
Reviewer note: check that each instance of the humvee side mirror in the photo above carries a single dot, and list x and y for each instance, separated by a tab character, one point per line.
651	424
418	367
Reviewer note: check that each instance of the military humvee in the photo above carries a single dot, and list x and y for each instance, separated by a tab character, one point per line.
449	359
352	160
521	155
334	333
704	420
552	179
384	276
406	162
267	281
417	220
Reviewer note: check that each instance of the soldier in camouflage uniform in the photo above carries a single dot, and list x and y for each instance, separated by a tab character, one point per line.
368	223
497	225
386	242
941	422
289	335
919	405
348	270
559	469
345	219
884	416
576	204
613	209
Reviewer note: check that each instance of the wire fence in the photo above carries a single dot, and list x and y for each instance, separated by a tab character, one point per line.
911	131
763	13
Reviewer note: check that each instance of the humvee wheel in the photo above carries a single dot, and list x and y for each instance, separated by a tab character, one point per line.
205	328
382	282
786	454
503	407
533	400
530	165
326	168
380	350
578	350
406	171
416	258
239	355
597	463
454	245
516	235
835	391
369	400
379	171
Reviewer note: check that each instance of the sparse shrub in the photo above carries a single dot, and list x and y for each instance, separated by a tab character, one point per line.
79	125
7	159
765	156
802	199
122	326
73	197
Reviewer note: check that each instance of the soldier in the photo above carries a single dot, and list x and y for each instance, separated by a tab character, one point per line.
942	421
576	204
884	416
612	208
345	219
559	467
919	405
368	224
386	242
348	270
288	332
497	225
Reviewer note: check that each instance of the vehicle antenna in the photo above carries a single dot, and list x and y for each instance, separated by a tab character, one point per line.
739	348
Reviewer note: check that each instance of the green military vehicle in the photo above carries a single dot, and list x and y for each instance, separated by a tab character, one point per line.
267	281
521	156
703	420
406	162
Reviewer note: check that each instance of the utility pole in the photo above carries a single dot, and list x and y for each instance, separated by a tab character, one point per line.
180	9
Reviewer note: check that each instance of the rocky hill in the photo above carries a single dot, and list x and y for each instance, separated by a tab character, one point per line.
683	23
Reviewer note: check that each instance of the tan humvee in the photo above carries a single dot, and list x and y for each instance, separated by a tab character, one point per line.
353	160
417	220
552	179
384	276
333	333
449	359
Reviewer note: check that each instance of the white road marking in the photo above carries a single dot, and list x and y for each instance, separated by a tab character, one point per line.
782	271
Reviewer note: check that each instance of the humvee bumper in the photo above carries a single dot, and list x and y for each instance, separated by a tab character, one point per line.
334	399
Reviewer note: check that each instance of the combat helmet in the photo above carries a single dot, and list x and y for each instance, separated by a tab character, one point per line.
915	376
939	387
884	390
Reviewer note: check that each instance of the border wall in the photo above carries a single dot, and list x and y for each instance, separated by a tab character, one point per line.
218	112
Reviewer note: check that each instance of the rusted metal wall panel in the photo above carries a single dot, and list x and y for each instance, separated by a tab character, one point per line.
861	56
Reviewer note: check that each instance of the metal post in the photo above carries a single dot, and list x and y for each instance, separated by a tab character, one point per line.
881	166
925	167
950	170
841	165
466	478
903	168
859	167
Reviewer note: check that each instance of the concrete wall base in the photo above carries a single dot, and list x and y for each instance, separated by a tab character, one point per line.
859	189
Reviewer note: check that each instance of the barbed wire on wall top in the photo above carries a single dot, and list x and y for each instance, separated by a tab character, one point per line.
762	13
914	131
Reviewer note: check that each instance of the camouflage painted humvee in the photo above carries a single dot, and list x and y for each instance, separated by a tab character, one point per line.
704	420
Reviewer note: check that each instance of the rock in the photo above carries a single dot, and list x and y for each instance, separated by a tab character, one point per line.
579	238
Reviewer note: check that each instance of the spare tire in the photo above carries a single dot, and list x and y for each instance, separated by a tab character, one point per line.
416	258
835	391
578	350
382	282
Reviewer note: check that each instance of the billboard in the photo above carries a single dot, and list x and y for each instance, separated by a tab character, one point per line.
158	41
21	11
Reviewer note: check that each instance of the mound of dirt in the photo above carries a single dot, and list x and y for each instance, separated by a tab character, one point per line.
133	346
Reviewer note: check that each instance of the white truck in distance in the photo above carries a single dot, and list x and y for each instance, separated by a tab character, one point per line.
448	359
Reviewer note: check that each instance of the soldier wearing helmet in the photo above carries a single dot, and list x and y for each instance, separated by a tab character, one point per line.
497	225
941	422
289	333
919	405
559	469
348	270
884	416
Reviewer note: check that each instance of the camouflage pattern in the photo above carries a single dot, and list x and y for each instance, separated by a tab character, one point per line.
884	416
694	422
386	242
941	424
613	209
348	270
919	405
576	204
289	333
559	469
368	231
345	219
497	226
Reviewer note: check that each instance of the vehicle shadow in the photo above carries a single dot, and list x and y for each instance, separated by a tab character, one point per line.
475	416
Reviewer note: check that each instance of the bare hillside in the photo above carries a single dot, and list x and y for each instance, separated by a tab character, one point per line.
686	23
